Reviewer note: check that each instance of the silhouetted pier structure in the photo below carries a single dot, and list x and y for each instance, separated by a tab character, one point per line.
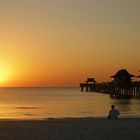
89	85
121	87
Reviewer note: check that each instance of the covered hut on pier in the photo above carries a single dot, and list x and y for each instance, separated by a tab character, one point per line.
88	85
122	78
122	83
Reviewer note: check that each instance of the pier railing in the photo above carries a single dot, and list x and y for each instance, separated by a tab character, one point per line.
125	91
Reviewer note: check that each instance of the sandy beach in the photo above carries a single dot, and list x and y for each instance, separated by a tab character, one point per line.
71	129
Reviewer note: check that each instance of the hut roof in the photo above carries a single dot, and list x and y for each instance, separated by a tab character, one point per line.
90	80
122	72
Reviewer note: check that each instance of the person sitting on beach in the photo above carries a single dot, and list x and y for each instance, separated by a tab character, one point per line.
113	113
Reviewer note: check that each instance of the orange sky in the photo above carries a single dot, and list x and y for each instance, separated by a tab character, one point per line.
51	43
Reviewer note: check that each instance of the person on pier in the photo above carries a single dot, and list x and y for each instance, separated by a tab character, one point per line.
113	113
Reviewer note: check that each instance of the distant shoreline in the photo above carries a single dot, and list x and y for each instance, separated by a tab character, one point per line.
66	118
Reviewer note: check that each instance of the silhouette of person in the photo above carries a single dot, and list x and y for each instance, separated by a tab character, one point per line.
113	113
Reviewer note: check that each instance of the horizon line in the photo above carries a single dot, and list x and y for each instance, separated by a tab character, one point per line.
42	87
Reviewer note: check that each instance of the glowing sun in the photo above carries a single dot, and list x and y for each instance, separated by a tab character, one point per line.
4	75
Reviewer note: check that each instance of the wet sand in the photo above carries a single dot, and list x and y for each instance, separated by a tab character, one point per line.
71	129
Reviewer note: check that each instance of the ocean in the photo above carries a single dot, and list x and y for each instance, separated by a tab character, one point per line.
44	103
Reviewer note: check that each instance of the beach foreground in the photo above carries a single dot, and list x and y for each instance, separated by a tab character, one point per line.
71	129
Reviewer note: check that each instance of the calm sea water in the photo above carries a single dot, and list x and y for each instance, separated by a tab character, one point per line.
41	103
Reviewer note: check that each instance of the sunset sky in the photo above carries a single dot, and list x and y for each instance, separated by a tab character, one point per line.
62	42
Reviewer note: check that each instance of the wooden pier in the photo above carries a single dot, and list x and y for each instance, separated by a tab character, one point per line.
89	85
121	87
